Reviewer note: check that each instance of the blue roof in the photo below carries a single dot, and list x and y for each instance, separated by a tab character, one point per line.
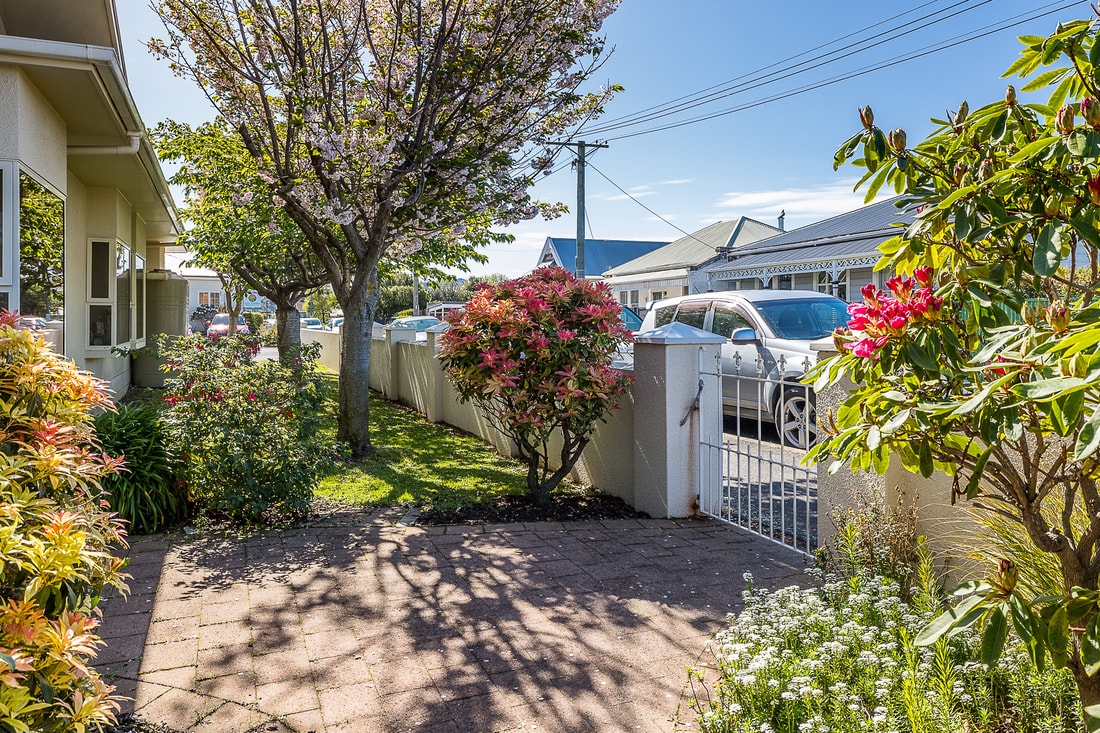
601	255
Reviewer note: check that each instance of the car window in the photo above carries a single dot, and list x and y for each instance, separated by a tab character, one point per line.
240	320
630	319
726	321
222	320
692	314
804	319
664	316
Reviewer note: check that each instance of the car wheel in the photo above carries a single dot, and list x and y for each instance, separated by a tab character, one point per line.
796	417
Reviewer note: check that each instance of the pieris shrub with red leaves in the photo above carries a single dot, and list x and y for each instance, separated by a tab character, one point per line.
535	353
56	535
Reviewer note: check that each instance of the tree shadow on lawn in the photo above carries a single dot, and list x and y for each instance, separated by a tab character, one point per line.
585	626
422	464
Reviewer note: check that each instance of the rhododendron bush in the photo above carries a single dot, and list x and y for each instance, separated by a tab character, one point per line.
56	537
392	133
535	354
982	357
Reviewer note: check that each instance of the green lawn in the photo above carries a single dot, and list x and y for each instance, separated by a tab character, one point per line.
421	464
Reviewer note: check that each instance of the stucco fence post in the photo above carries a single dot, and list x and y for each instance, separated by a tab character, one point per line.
951	533
640	454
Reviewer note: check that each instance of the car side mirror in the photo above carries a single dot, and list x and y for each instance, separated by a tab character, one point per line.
208	324
743	335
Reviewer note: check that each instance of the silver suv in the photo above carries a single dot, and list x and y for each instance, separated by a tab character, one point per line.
768	335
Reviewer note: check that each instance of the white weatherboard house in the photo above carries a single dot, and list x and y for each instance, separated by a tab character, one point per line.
835	256
663	272
85	212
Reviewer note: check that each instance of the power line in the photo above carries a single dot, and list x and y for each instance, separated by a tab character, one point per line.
935	48
728	88
666	221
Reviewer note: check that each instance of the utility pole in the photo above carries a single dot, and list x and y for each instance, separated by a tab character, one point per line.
582	149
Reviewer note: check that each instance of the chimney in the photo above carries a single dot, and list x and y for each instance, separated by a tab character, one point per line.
782	216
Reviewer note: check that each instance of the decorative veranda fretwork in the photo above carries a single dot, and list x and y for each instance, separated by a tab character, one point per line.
765	274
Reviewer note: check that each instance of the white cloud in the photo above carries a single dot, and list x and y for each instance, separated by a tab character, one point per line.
636	189
623	196
804	205
676	182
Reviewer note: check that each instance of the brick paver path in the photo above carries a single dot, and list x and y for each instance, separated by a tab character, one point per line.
356	623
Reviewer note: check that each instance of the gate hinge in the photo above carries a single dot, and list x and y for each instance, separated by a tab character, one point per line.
694	404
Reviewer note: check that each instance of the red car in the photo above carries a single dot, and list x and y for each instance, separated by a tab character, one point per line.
219	326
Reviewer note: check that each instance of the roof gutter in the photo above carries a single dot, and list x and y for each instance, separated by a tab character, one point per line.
130	149
37	52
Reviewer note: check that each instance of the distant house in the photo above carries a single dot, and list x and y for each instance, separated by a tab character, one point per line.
663	273
205	288
85	211
835	256
600	255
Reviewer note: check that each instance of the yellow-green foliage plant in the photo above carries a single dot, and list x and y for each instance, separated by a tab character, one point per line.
56	535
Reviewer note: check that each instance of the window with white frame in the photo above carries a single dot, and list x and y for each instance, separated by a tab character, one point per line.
211	298
115	295
838	287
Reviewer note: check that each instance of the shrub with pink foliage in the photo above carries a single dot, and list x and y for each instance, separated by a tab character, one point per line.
536	354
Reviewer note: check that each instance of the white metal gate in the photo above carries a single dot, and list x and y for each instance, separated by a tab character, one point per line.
756	479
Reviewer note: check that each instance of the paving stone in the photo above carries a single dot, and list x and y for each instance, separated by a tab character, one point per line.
360	626
287	697
350	702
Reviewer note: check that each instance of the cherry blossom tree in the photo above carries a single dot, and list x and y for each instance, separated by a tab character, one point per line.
384	127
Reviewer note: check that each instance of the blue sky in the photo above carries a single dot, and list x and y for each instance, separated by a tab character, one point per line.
753	162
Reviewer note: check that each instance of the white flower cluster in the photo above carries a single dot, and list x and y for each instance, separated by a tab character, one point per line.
840	658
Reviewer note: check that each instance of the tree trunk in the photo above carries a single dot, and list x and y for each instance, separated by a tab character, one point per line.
353	419
288	323
1088	687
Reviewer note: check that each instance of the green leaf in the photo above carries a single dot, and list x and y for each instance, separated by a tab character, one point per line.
1043	79
1066	409
993	640
1084	145
1048	251
896	422
1033	149
927	466
946	621
1042	390
1086	230
1058	640
1090	647
999	127
976	477
1089	437
921	358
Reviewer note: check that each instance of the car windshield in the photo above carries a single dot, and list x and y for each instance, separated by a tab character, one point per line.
804	319
220	320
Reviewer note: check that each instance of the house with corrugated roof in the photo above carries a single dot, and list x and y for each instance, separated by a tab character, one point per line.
600	255
834	256
663	273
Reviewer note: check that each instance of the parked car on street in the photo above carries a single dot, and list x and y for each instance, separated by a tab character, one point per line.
219	326
310	323
420	323
763	329
335	323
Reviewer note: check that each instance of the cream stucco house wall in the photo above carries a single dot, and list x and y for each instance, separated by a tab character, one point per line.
85	212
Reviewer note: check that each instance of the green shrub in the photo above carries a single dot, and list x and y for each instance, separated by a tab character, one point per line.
147	492
247	431
55	540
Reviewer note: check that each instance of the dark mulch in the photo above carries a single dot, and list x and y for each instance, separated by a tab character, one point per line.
511	509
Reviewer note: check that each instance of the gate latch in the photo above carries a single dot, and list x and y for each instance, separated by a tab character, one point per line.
694	404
